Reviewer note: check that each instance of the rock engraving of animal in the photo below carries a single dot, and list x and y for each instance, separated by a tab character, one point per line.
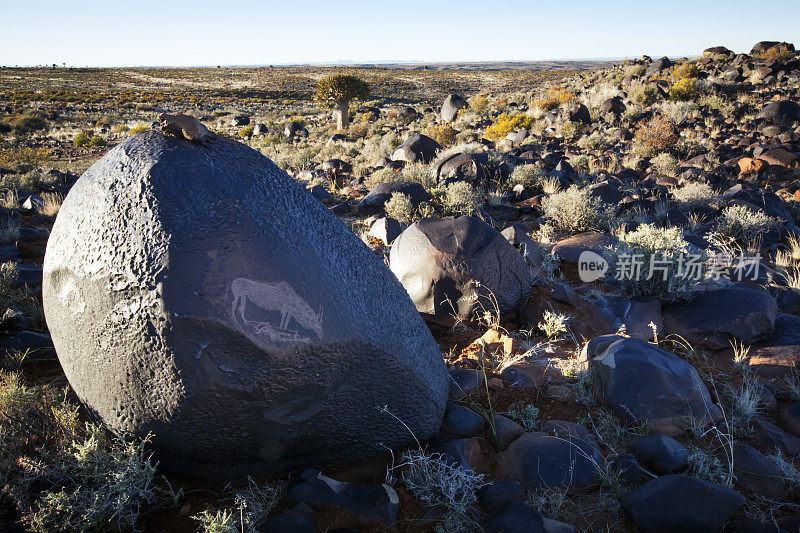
275	297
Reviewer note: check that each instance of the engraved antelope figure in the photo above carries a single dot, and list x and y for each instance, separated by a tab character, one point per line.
275	297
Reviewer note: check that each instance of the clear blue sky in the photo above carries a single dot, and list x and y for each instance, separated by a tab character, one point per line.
245	32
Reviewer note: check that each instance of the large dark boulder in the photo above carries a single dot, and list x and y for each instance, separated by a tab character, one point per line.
762	46
715	318
678	502
374	201
416	148
640	382
461	167
782	112
657	66
451	106
459	266
196	292
717	51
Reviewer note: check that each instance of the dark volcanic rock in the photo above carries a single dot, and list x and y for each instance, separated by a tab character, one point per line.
782	111
452	104
661	453
451	265
641	382
195	291
714	318
678	502
543	462
417	147
374	201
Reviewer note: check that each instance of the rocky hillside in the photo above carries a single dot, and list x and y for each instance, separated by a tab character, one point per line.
606	261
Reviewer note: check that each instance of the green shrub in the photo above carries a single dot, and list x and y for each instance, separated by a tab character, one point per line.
526	416
382	175
529	176
683	89
644	94
665	164
85	139
747	226
440	484
399	207
246	132
662	251
250	509
64	476
461	198
505	124
696	197
574	211
27	123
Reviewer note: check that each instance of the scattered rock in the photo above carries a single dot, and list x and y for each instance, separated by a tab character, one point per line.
755	473
643	383
543	462
659	453
459	266
714	318
678	502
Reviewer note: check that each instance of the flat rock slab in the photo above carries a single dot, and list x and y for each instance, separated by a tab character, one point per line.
678	502
715	318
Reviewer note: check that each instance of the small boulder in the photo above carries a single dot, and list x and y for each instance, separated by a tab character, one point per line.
756	473
678	502
543	462
660	453
417	147
459	266
781	112
451	106
641	382
714	318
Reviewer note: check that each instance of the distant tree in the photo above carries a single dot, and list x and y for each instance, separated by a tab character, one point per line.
341	89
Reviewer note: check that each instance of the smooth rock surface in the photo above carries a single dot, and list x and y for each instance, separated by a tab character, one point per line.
197	292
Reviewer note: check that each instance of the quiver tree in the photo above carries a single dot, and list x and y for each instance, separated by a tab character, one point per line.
341	89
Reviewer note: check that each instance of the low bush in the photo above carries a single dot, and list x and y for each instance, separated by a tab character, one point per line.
696	197
746	226
86	140
655	136
505	124
461	198
529	176
653	261
574	211
644	94
440	484
22	157
442	133
399	207
64	475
